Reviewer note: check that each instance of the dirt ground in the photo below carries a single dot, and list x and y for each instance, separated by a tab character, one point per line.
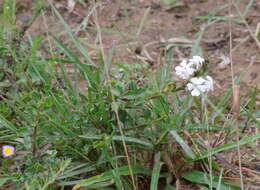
141	30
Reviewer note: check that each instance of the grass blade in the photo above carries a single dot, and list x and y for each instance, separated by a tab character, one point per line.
7	124
122	171
243	141
81	49
156	171
183	144
204	178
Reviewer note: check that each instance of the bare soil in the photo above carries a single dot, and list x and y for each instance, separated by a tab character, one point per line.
121	24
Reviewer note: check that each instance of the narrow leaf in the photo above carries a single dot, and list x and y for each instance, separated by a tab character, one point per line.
7	124
156	171
205	178
3	180
243	141
122	171
183	144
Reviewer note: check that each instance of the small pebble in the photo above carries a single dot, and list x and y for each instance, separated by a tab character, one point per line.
25	19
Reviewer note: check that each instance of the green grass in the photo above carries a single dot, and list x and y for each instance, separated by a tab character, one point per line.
97	139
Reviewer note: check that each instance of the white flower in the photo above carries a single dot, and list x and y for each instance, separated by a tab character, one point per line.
188	68
184	70
209	83
198	85
196	61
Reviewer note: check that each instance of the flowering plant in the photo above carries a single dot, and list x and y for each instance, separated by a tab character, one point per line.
196	85
188	67
8	151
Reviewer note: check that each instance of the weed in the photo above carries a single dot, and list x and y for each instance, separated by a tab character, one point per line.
127	124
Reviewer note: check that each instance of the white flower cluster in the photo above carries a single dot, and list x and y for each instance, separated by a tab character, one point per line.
196	85
189	67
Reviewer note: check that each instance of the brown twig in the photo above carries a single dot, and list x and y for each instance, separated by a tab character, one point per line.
236	100
172	168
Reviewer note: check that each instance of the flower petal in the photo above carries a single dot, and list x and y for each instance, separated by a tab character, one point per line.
195	92
197	80
198	85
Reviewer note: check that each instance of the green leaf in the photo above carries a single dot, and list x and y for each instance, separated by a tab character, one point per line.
169	2
122	171
7	124
5	84
217	149
183	144
156	171
169	187
85	70
121	138
132	140
77	172
205	178
3	180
